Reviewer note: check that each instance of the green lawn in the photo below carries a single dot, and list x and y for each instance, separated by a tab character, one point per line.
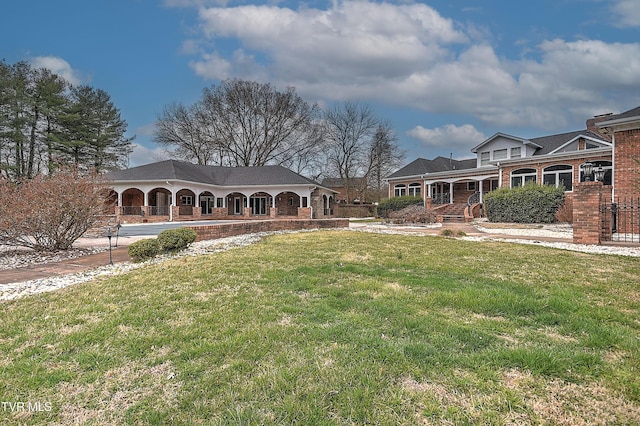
335	327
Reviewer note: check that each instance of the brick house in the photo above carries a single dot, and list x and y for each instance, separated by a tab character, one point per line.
175	190
611	143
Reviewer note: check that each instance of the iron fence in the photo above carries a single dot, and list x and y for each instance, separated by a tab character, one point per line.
621	220
132	210
159	210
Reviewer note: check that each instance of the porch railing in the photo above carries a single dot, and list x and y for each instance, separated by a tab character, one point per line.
132	210
472	200
158	210
441	198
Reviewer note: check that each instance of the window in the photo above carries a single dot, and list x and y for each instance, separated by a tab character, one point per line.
305	202
186	200
471	186
494	184
516	152
606	166
400	190
219	202
414	189
484	158
589	145
561	175
500	154
522	176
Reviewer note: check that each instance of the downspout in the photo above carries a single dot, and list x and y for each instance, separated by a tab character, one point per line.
613	168
171	202
499	175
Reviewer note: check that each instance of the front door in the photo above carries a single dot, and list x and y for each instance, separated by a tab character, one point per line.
237	206
258	205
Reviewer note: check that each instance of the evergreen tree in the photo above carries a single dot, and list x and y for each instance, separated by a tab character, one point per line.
92	134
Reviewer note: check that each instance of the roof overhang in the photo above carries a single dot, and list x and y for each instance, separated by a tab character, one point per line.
172	182
620	122
586	153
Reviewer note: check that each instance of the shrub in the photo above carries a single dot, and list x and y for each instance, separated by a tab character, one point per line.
565	211
172	240
143	249
531	203
397	203
412	214
50	212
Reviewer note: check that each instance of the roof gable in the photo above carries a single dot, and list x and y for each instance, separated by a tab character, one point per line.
503	136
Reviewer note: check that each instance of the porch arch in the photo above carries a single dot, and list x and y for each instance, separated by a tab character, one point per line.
131	201
287	203
160	200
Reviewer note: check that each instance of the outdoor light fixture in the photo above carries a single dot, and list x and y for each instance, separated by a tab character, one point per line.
598	174
587	169
118	226
109	235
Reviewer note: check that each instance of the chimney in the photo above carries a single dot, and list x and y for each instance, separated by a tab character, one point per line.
591	124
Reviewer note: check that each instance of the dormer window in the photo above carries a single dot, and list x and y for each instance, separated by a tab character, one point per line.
485	158
516	152
500	154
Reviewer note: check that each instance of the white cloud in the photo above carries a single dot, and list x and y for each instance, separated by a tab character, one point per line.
58	66
410	55
457	139
627	13
363	39
145	155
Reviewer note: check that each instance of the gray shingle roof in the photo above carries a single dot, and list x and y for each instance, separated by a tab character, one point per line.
439	164
552	142
213	175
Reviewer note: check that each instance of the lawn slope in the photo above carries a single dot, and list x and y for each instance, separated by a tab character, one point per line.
335	327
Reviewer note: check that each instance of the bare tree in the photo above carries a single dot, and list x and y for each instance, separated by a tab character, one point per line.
184	130
386	156
50	212
255	124
359	144
242	123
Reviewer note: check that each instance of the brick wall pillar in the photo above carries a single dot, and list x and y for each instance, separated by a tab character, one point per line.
197	212
587	219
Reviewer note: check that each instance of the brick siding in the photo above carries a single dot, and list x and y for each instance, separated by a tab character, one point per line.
214	231
627	167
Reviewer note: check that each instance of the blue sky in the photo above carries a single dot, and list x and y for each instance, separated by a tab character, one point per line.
446	74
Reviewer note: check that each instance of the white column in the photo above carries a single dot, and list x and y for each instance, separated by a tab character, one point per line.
451	192
481	183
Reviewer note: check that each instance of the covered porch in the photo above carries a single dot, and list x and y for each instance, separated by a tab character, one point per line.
177	201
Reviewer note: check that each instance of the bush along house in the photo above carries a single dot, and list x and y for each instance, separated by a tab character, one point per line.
179	191
607	150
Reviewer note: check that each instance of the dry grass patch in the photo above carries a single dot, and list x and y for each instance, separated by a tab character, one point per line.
559	402
107	399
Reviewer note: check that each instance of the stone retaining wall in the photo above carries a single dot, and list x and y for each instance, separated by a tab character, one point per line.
222	230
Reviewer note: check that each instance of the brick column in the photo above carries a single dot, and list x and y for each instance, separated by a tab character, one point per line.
587	219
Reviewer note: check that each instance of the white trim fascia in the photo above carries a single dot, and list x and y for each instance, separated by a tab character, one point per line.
590	138
619	121
211	185
477	171
420	176
558	156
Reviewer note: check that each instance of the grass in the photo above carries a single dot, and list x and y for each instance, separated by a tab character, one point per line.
335	328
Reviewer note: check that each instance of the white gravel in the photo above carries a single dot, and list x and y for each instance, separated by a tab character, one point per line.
16	290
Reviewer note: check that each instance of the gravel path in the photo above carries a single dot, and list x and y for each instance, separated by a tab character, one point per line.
14	258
